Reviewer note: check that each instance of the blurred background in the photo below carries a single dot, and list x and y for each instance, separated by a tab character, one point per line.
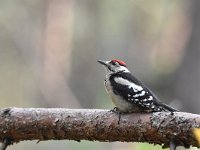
49	49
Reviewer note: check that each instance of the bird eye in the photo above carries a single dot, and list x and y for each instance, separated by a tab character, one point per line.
113	63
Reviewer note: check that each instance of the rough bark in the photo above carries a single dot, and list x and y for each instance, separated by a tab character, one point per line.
18	124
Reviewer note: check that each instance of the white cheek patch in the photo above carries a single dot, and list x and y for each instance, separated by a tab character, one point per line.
122	68
122	81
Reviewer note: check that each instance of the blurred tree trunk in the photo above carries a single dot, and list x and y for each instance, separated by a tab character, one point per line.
187	78
57	54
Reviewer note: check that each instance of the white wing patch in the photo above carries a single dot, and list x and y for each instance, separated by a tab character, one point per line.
122	68
122	81
138	95
150	98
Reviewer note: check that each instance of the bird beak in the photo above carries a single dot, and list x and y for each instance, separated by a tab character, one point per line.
105	63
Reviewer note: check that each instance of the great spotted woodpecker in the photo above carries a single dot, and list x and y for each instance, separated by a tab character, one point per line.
127	92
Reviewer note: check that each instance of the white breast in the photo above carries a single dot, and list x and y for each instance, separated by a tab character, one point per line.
119	102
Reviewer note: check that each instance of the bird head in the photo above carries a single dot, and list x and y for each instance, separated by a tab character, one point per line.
114	66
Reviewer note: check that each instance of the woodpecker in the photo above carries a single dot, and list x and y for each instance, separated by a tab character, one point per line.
127	92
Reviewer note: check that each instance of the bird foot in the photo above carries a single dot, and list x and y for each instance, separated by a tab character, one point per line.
116	110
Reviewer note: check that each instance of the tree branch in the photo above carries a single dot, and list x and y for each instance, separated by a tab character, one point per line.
18	124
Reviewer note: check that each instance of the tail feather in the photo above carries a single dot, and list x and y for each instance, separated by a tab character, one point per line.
168	108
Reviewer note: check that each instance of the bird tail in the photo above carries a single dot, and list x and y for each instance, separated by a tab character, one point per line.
168	108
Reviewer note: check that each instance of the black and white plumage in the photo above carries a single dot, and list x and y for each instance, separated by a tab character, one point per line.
127	92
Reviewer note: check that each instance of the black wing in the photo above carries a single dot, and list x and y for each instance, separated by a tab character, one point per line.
137	93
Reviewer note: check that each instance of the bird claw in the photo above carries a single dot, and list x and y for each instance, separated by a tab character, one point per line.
115	110
172	113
